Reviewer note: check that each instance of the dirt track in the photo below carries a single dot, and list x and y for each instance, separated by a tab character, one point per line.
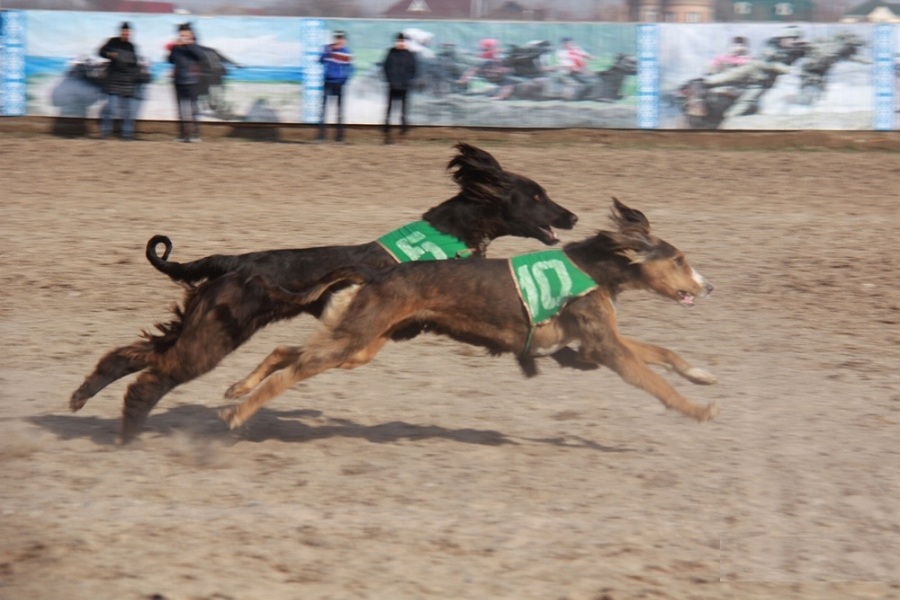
435	472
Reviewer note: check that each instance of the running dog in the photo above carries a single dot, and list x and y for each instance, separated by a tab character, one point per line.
559	303
221	313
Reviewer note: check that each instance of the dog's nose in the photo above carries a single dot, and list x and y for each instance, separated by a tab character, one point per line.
708	288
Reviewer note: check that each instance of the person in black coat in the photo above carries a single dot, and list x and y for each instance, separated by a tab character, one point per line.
122	75
399	70
187	58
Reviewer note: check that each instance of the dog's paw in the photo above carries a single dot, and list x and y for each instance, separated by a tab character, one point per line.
77	402
230	416
235	391
79	398
700	376
709	412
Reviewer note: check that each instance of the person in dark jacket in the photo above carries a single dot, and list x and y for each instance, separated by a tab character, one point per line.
399	70
187	58
122	74
337	60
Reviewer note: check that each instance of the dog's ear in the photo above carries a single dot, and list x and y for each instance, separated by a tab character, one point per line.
629	220
476	156
478	173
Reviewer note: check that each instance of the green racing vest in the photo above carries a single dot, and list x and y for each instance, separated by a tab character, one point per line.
546	280
419	241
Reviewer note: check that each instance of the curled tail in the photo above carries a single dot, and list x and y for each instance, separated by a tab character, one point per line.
191	272
338	278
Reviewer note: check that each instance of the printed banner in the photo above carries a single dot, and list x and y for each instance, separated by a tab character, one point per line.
490	74
648	76
767	76
313	37
771	76
252	70
887	71
12	63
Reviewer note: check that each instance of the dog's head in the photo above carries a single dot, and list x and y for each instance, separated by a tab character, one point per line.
642	260
515	204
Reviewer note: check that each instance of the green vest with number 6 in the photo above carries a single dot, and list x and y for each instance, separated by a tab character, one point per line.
419	241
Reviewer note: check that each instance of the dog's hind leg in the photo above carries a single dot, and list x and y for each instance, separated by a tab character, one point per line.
280	357
115	365
314	359
657	355
140	398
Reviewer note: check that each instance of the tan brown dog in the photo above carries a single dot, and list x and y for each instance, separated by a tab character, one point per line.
479	303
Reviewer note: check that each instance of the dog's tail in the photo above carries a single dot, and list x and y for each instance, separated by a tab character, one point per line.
338	278
192	272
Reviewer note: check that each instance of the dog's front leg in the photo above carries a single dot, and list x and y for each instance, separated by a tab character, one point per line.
279	358
568	357
619	357
657	355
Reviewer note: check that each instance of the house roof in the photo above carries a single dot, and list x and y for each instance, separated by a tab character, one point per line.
867	7
144	6
430	9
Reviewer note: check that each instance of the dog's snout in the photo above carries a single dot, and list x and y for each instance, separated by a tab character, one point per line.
703	282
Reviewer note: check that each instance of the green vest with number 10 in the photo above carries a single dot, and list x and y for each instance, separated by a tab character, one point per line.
547	280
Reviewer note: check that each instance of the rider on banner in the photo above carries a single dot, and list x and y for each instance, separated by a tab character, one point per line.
758	76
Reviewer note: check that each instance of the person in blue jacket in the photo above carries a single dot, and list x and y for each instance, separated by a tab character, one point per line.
337	60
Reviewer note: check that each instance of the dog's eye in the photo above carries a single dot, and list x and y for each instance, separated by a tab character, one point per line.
679	261
537	198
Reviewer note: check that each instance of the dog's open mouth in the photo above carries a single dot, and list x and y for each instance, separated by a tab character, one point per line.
548	236
685	298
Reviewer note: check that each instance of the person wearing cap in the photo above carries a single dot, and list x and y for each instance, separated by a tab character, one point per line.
337	60
787	46
122	74
399	68
187	59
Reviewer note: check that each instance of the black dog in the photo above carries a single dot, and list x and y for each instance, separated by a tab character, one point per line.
224	311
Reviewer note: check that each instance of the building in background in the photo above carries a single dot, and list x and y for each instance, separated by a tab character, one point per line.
873	11
434	9
765	10
672	11
610	11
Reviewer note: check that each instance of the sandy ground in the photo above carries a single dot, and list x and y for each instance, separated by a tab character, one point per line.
436	472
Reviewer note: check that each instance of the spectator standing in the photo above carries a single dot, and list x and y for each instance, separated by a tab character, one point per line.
337	60
399	70
187	58
122	74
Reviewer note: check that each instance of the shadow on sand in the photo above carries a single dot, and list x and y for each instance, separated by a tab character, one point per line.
288	426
